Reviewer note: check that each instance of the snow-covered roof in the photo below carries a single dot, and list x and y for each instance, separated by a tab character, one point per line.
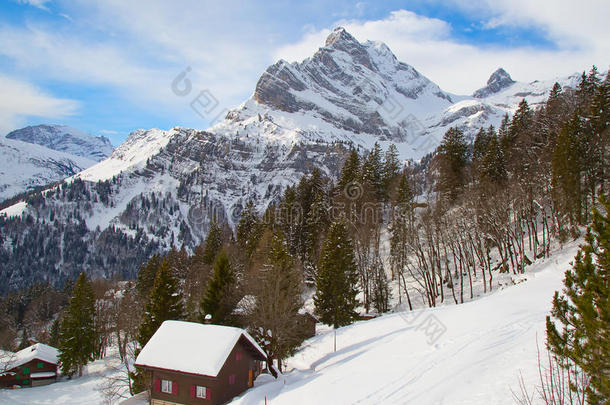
138	399
45	374
192	347
38	351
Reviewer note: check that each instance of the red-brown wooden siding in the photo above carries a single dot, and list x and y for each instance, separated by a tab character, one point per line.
219	389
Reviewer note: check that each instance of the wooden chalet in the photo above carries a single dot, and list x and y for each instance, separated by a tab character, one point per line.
192	363
31	367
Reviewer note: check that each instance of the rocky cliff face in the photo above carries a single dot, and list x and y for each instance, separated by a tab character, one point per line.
356	88
498	81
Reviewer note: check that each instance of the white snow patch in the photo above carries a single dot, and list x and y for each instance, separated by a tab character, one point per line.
15	210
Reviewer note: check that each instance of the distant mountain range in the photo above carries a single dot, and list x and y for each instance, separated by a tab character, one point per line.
35	156
161	188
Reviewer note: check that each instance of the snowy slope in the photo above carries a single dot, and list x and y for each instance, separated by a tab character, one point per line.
78	391
35	156
458	354
24	166
131	154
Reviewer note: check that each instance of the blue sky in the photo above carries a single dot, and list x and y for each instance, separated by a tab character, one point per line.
106	67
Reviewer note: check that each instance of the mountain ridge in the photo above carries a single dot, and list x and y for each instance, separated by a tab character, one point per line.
161	188
36	156
65	139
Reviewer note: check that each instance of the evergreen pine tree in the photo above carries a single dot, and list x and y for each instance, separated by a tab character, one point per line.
600	134
335	298
381	288
218	300
305	196
492	167
178	262
521	121
579	330
391	165
164	303
453	159
147	274
249	229
553	103
289	218
372	172
404	198
588	84
213	242
77	330
479	147
316	182
54	333
317	222
566	170
350	172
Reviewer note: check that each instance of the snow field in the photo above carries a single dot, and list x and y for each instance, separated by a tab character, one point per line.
408	359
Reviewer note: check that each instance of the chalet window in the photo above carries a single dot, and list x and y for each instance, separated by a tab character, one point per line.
26	370
199	391
40	365
166	386
238	356
232	379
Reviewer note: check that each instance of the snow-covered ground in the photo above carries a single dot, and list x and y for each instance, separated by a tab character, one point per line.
78	391
454	354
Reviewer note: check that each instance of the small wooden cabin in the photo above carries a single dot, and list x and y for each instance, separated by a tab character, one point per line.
192	363
307	324
31	367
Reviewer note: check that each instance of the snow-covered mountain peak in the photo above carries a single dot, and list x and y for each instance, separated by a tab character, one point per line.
348	91
65	139
498	81
339	38
500	76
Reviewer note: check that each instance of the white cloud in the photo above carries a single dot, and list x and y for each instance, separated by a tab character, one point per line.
139	52
225	46
66	16
35	3
21	99
578	24
51	55
428	45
